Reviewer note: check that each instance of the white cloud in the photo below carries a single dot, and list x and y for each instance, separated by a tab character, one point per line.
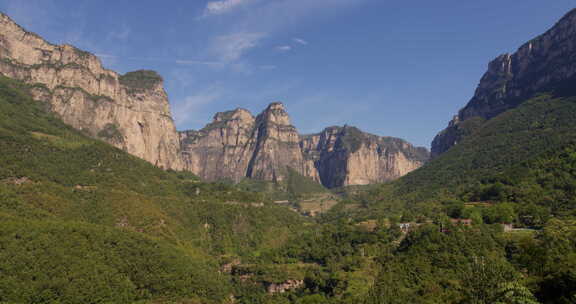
221	7
264	19
185	110
119	33
229	48
284	48
300	41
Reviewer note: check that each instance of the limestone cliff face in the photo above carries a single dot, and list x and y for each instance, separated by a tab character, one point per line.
130	111
347	156
277	145
237	145
547	63
223	149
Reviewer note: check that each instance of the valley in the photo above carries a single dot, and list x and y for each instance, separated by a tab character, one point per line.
103	200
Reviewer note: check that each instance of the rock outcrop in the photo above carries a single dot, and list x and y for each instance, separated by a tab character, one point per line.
544	64
129	111
223	149
237	145
273	288
347	156
132	112
277	145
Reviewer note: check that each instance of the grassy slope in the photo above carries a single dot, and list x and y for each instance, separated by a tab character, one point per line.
57	185
536	127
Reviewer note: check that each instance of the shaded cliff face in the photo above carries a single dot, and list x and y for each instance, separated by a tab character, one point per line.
347	156
129	111
222	149
547	63
237	145
277	146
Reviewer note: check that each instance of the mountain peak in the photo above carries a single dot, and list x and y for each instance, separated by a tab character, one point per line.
129	111
277	105
276	113
236	114
543	64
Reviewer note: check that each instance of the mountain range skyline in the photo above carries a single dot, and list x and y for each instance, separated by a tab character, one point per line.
221	55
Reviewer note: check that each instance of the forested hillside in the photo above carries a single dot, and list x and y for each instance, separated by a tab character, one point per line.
85	222
491	219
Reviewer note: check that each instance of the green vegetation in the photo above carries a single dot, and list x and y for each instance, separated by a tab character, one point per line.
351	139
81	221
76	212
518	168
68	262
111	132
503	147
295	187
140	80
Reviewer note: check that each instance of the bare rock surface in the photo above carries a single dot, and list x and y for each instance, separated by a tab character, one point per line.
129	111
546	63
236	145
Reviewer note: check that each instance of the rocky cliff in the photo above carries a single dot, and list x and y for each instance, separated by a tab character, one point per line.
237	145
347	156
130	111
546	63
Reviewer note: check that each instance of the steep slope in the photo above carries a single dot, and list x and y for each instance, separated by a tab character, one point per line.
90	221
130	111
238	145
347	156
277	145
514	138
223	148
546	63
523	111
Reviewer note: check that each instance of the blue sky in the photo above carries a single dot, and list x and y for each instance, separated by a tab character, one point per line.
393	68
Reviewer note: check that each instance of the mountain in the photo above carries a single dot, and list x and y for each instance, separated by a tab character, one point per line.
347	156
132	112
129	111
237	145
83	221
544	64
523	114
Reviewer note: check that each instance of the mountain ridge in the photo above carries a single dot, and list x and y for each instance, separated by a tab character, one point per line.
335	157
129	111
545	63
132	112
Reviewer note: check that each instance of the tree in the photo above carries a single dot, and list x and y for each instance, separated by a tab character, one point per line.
484	278
514	293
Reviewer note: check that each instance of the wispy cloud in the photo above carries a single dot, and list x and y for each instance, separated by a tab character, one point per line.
122	33
158	59
221	7
283	48
236	36
300	41
185	110
229	48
